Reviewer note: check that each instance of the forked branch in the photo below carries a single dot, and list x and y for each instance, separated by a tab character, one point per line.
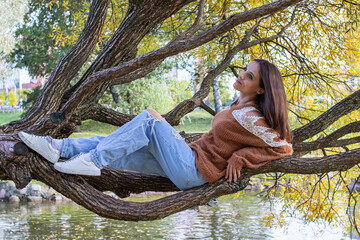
345	106
169	50
79	190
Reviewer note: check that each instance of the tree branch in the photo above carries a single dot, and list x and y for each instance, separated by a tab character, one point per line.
197	24
121	47
345	106
123	183
100	113
142	72
189	105
350	128
305	147
112	117
337	162
87	191
232	68
110	207
207	108
123	44
331	139
184	45
139	73
170	49
79	190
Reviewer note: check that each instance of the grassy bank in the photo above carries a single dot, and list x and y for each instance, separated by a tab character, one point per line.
197	121
6	117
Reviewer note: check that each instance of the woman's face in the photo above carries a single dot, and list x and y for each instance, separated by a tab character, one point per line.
248	82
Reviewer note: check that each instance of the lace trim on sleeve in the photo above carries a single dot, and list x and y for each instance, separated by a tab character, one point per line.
248	122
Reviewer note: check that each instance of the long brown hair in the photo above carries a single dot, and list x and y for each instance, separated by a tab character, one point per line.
273	103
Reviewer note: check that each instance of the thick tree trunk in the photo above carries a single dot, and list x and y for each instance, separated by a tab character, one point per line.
114	94
216	93
57	112
68	67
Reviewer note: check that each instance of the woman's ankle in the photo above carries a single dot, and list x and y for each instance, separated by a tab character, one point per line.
57	144
87	157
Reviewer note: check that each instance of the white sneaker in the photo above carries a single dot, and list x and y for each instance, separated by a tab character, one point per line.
78	165
41	145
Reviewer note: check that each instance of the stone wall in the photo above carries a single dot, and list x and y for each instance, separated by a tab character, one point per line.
31	193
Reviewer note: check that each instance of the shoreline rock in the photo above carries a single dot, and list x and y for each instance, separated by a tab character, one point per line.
14	199
34	193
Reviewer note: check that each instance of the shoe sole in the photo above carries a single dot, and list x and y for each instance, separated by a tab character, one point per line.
72	171
29	144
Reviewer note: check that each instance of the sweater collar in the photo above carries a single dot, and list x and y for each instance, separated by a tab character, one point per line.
235	106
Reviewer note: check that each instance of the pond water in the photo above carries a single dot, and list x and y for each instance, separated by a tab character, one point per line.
229	218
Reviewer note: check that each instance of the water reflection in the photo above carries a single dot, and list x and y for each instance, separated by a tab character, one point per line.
228	219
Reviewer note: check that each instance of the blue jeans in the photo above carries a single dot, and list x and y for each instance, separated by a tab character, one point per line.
144	145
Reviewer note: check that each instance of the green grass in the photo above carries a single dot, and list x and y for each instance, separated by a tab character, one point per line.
90	128
196	121
6	117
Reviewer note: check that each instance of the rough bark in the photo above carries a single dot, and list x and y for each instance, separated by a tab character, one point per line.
122	47
68	66
170	49
89	189
345	106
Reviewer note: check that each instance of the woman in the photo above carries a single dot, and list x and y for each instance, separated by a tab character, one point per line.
252	132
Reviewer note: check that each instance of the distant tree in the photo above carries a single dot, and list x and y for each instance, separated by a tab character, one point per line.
13	98
11	13
216	94
30	98
2	98
38	49
5	72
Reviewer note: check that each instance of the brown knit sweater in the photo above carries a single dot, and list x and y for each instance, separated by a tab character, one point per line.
240	136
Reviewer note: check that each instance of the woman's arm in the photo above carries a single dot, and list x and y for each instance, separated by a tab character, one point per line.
254	157
264	144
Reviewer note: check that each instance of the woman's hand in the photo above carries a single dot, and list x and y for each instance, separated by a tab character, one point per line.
232	173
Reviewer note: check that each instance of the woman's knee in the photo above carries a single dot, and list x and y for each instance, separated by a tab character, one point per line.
154	114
